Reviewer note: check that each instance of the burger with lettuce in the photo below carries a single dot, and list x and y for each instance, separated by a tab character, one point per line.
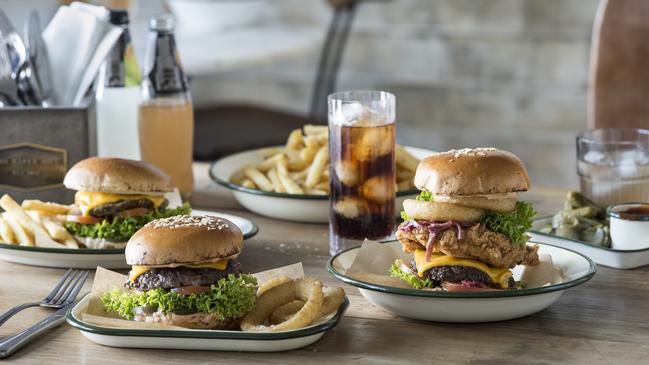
467	228
116	197
185	273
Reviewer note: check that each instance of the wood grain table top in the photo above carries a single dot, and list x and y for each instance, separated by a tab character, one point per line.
605	321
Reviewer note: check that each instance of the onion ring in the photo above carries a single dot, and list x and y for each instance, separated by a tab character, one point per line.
272	283
308	290
285	312
333	298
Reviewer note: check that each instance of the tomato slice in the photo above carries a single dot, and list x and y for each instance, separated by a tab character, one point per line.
453	287
135	212
83	219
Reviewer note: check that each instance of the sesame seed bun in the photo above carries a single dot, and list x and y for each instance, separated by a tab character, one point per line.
470	172
184	239
117	175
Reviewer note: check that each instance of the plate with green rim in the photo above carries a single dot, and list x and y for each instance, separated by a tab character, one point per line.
85	258
213	340
618	259
292	207
469	307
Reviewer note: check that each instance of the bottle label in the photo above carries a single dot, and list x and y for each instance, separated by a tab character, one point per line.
166	75
121	65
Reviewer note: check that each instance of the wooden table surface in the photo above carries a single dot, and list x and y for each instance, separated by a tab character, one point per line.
605	321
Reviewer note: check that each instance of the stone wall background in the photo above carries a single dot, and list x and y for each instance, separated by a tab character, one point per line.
504	73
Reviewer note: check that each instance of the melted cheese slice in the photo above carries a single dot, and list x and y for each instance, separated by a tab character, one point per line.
136	270
499	276
87	200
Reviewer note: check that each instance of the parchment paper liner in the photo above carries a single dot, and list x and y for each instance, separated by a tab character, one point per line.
373	261
105	280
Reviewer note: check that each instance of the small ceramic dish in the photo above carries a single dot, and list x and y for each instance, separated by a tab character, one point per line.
190	339
618	259
291	207
469	307
629	225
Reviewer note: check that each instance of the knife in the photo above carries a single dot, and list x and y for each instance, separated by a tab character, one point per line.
11	344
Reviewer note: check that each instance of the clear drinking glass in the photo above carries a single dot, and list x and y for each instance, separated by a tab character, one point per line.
613	165
361	149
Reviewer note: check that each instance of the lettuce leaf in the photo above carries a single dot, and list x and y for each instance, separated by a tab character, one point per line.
425	196
415	281
121	229
512	224
404	216
230	297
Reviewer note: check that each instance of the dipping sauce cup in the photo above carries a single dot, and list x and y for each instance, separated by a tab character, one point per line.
629	226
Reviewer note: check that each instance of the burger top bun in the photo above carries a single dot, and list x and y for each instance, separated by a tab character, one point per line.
117	175
184	239
472	171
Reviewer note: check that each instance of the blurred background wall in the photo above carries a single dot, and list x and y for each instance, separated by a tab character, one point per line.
503	73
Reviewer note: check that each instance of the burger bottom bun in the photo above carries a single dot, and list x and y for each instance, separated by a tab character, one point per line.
479	201
434	211
195	321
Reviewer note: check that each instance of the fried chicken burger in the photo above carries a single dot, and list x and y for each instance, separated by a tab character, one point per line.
466	229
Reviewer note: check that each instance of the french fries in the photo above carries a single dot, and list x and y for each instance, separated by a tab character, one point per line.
6	233
34	223
41	238
22	237
301	166
45	207
258	178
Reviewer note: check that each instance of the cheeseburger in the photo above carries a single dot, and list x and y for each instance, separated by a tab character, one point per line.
116	197
466	229
185	273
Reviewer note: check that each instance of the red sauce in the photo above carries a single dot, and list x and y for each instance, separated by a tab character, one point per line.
635	212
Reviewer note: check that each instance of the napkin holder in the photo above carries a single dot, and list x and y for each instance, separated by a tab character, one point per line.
38	145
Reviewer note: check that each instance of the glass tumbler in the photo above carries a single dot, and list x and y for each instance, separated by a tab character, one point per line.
362	168
613	165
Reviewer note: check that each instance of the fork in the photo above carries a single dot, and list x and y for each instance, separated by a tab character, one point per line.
64	293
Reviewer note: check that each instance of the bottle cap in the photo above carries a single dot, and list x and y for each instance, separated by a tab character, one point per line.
164	23
118	17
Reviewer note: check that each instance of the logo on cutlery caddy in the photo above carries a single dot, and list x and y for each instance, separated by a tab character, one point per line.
29	166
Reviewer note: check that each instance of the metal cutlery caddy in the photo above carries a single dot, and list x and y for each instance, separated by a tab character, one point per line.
38	145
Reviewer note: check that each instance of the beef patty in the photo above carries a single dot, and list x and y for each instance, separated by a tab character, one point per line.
168	278
457	274
110	209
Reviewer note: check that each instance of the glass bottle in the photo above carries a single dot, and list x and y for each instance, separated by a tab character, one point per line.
117	97
166	115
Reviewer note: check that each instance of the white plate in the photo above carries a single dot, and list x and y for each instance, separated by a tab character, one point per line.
619	259
91	258
468	307
214	340
291	207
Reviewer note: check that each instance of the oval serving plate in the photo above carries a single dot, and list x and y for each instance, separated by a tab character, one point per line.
619	259
213	340
468	307
291	207
91	258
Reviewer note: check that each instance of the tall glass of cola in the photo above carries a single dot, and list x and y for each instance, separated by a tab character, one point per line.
361	149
